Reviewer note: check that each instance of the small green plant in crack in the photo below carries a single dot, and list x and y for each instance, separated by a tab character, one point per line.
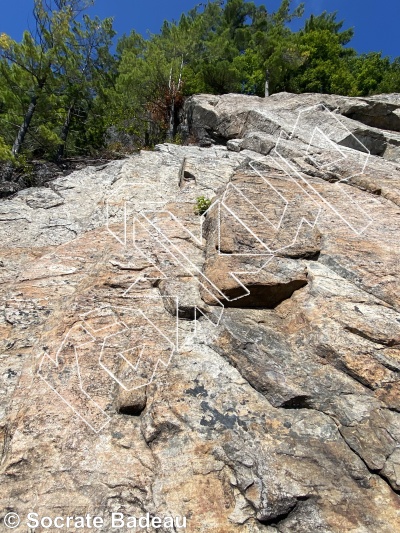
202	204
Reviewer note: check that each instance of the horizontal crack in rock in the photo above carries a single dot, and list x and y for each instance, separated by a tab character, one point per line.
263	296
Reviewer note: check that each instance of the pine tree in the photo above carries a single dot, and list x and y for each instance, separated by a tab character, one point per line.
87	73
58	68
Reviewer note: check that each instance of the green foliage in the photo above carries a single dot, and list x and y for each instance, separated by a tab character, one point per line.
233	46
324	69
62	91
5	151
55	75
178	139
202	204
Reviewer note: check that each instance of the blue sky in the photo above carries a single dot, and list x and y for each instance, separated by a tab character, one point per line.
376	22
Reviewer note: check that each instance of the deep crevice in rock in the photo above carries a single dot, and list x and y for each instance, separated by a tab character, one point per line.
263	296
134	409
384	121
393	409
386	479
330	356
370	470
389	343
310	255
298	402
389	366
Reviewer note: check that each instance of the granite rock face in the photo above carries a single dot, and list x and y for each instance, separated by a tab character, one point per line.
239	368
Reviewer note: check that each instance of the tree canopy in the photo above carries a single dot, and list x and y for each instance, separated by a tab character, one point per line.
66	89
56	71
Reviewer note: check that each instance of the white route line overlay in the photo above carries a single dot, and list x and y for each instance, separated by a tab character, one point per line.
54	363
181	258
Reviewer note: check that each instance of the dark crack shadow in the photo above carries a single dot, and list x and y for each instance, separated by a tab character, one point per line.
263	296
